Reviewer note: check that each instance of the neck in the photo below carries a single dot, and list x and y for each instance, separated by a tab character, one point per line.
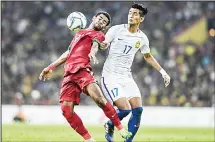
133	28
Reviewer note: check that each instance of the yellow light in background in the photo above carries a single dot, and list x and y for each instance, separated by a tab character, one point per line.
197	33
212	32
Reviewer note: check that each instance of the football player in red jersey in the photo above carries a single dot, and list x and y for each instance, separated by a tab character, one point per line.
79	77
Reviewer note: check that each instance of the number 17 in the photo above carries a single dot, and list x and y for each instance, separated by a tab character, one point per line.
127	49
114	91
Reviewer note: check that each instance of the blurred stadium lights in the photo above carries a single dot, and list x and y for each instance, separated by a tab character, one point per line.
212	32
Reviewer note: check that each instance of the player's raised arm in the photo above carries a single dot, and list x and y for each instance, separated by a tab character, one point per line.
46	73
152	61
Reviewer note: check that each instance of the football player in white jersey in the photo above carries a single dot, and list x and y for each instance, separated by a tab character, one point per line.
117	82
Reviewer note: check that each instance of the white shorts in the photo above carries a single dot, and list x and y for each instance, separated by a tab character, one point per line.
115	87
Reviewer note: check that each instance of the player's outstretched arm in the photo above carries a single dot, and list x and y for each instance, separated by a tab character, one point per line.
93	52
46	73
153	62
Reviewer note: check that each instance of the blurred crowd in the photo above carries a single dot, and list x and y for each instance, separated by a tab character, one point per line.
34	34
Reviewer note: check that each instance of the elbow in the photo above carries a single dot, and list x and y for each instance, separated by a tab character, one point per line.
147	56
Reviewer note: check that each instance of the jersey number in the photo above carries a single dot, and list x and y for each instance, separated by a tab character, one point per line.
114	91
127	49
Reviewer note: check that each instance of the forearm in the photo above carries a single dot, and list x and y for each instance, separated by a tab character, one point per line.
152	61
61	60
94	48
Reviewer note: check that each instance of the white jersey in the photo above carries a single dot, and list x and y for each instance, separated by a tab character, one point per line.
123	47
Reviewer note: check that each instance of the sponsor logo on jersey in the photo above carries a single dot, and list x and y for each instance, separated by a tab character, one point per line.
137	45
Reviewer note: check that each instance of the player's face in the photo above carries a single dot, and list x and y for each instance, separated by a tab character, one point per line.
134	16
100	22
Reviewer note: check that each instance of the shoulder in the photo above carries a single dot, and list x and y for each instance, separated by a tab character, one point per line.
118	27
143	35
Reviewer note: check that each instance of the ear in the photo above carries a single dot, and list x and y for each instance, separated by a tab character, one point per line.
141	19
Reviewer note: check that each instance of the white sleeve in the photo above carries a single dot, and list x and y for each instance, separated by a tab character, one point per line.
145	48
111	34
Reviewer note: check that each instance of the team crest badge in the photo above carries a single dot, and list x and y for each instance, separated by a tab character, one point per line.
137	45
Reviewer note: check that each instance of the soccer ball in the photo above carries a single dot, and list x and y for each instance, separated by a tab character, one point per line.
76	21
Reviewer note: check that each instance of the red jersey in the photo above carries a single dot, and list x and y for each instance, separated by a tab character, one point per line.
80	48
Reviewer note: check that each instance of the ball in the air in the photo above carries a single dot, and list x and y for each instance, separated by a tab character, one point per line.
76	21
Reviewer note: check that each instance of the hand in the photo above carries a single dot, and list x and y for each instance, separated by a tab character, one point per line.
45	74
104	45
166	79
93	58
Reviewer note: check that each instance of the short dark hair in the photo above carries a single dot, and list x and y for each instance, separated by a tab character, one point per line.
143	9
106	14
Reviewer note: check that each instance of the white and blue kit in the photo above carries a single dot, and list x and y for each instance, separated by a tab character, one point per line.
117	80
